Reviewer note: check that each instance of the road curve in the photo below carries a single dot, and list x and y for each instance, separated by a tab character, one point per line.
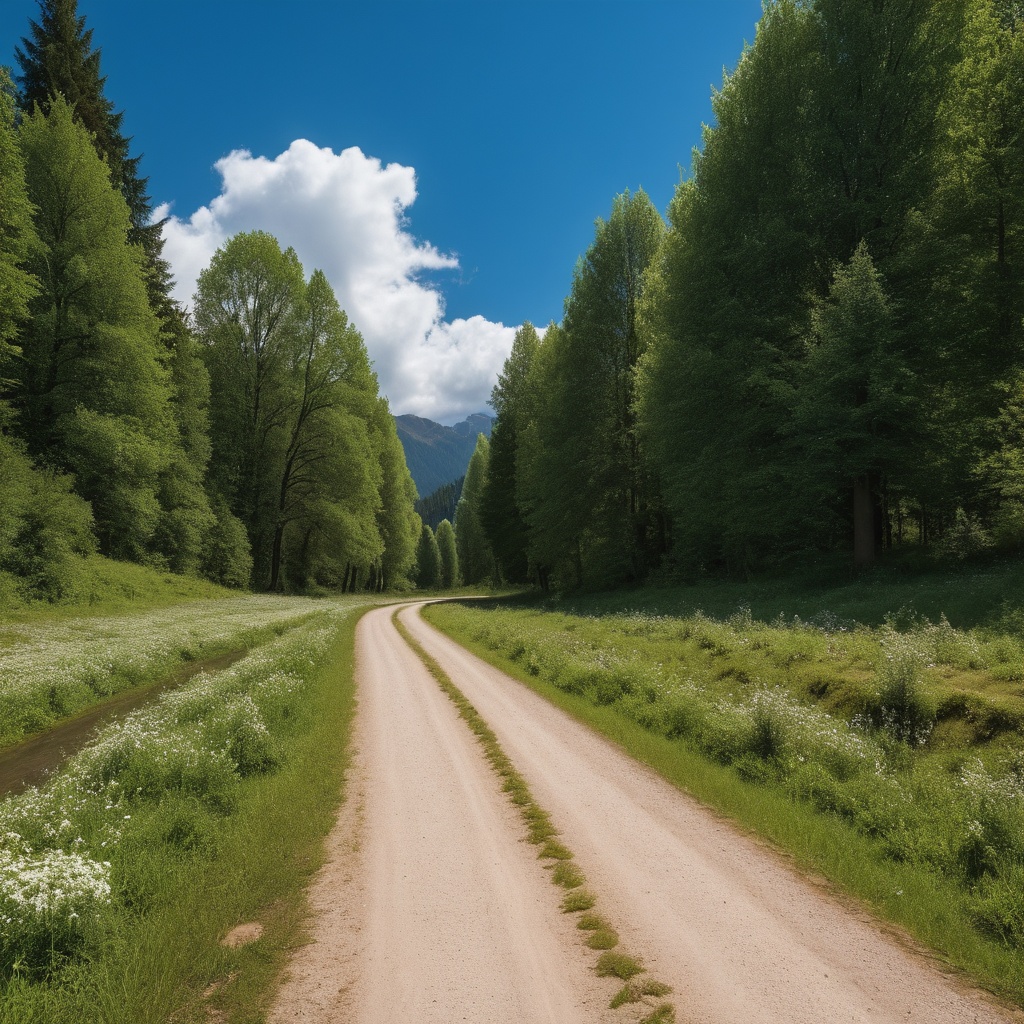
432	908
739	935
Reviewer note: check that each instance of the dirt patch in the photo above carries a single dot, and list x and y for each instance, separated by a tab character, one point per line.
242	935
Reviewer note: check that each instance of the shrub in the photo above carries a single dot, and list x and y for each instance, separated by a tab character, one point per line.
49	906
900	707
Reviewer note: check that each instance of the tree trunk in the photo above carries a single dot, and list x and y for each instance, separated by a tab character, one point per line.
275	557
863	522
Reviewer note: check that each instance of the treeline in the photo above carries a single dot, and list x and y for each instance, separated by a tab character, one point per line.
440	504
248	444
821	354
461	553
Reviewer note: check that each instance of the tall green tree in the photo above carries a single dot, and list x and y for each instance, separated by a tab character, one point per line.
592	503
428	560
476	561
546	483
857	409
43	524
449	555
305	451
248	312
93	388
397	519
499	509
17	235
824	140
57	59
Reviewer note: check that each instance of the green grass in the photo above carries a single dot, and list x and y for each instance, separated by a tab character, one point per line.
54	669
928	837
188	868
107	587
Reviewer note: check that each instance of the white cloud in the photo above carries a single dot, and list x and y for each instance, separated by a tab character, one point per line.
344	214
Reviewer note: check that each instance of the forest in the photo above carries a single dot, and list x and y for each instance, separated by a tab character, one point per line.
244	440
818	360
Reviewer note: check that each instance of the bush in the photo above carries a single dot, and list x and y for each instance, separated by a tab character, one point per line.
227	556
49	906
900	707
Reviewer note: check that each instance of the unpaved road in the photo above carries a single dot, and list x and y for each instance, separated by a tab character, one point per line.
432	909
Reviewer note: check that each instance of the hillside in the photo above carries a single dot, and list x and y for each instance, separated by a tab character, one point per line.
437	454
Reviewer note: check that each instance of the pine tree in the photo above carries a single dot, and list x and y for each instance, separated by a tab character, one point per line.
93	389
57	58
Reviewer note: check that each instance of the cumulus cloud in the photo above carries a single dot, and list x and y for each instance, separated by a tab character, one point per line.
344	213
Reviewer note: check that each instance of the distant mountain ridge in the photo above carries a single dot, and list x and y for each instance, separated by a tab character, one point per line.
438	455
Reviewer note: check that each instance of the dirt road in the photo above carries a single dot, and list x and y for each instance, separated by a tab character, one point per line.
432	910
444	915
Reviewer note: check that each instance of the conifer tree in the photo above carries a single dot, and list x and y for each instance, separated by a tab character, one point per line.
93	389
57	58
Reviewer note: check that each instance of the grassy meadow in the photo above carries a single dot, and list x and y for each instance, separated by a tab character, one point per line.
202	810
859	728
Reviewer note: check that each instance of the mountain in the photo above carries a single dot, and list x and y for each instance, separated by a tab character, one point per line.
436	454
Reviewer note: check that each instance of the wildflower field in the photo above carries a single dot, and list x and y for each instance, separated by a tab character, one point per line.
205	808
899	744
52	669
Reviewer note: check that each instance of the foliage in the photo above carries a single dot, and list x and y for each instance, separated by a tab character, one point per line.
500	511
93	389
449	556
17	235
476	562
57	59
589	504
428	560
304	450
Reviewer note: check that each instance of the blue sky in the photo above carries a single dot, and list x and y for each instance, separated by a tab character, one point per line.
460	151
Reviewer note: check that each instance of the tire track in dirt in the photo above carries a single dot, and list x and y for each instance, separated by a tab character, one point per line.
739	935
431	908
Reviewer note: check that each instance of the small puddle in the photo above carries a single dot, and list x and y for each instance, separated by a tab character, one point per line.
24	765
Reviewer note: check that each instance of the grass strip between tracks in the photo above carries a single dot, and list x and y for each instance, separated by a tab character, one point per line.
822	846
540	831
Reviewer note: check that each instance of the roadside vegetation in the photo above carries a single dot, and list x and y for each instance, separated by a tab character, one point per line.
886	754
120	877
51	670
